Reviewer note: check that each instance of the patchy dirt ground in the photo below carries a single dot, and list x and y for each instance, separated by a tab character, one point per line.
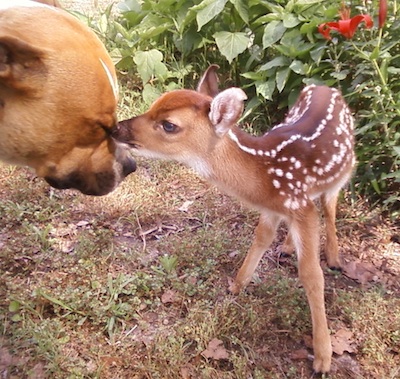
134	285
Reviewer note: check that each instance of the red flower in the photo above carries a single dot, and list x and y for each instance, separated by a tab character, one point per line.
382	13
346	26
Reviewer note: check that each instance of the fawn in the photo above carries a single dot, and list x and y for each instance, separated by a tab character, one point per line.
308	156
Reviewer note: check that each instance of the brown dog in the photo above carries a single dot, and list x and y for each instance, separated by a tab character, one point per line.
58	98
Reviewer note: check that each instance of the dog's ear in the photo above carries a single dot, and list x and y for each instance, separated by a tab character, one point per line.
208	84
21	65
53	3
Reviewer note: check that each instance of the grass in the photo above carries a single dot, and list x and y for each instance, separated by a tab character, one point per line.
134	285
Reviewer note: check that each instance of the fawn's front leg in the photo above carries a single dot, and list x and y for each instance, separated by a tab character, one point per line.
264	235
305	236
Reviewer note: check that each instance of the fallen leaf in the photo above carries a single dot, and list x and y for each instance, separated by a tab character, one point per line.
363	272
186	372
215	350
343	341
67	246
82	223
185	206
299	354
169	296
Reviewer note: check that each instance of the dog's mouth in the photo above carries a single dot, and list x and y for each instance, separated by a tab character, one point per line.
102	184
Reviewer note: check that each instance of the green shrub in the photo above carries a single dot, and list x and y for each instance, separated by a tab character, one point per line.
272	49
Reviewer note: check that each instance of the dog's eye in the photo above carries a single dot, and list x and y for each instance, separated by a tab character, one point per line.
169	127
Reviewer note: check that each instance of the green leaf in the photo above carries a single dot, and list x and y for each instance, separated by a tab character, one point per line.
375	185
251	105
103	24
151	26
231	44
266	89
242	9
273	32
129	5
276	62
149	64
308	2
317	53
189	42
375	53
207	10
17	317
340	75
150	93
299	67
14	306
282	76
290	20
254	76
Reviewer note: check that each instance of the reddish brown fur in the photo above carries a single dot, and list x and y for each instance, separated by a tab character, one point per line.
57	100
307	157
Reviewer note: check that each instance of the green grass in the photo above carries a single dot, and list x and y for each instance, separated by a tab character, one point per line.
130	286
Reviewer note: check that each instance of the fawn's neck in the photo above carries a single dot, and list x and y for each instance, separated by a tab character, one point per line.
237	169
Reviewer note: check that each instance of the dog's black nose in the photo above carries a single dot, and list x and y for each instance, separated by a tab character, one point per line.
129	166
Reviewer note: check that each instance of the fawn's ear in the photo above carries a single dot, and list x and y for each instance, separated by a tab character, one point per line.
226	109
208	84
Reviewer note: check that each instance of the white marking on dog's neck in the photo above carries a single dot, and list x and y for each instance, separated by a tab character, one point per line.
6	4
113	82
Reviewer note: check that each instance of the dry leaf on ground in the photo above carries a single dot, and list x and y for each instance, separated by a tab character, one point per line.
169	296
299	354
363	272
215	350
343	341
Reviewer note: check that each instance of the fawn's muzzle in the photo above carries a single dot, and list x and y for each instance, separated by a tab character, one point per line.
121	132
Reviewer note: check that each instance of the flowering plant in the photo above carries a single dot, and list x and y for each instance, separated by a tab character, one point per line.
346	26
366	62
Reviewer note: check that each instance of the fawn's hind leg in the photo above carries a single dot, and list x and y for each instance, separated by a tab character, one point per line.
305	235
332	247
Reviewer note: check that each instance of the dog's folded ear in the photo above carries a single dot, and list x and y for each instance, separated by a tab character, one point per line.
21	65
53	3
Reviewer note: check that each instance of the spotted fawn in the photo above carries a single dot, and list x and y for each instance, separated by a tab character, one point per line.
309	156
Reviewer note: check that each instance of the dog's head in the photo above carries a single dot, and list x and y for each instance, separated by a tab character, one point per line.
58	98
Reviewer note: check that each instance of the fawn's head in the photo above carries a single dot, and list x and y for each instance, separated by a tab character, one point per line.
184	125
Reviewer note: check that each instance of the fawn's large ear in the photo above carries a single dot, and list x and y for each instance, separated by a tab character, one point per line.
21	65
208	84
226	109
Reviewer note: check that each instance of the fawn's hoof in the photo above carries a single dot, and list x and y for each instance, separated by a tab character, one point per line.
234	287
322	365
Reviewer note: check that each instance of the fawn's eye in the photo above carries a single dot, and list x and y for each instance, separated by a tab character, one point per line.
169	127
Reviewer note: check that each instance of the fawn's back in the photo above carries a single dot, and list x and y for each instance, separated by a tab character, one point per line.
310	153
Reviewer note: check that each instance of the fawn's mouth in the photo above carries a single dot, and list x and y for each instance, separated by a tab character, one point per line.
133	145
